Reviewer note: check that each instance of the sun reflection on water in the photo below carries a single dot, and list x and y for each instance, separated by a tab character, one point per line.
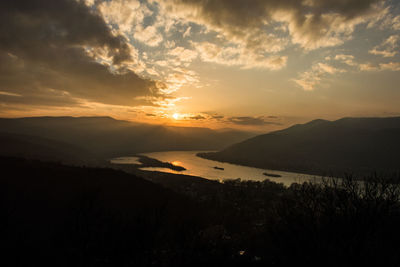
176	163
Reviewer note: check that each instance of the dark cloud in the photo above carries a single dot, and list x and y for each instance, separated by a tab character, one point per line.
254	121
218	117
310	23
197	117
43	56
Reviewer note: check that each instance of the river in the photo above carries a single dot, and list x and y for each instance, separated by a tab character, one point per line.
215	170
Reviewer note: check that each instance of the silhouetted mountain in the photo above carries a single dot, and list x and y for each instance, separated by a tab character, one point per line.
322	147
107	137
34	147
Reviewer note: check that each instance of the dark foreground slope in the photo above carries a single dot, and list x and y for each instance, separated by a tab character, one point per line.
56	215
106	137
352	145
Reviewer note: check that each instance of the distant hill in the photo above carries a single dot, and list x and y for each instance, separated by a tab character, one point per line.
356	145
34	147
105	137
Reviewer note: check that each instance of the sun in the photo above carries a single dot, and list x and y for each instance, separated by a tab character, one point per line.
175	116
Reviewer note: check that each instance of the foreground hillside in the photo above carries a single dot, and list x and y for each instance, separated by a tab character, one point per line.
360	145
58	215
104	137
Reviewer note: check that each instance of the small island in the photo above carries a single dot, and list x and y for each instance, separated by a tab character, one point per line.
151	162
218	168
272	175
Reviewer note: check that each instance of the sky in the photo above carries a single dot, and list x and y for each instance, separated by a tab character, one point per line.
256	65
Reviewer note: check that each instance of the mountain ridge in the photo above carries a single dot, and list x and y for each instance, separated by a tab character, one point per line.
358	145
106	137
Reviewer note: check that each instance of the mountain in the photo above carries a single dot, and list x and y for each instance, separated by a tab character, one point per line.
105	137
348	145
34	147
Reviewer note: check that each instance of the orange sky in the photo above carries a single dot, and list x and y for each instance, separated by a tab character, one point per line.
258	65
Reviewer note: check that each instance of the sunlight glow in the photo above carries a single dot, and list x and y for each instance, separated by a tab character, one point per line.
176	116
176	163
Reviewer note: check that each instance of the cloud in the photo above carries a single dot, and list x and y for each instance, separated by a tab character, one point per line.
388	48
396	23
251	121
187	32
55	52
128	17
179	77
313	77
311	24
212	117
393	66
390	44
346	59
387	21
217	117
123	13
197	117
330	28
183	54
238	56
148	35
368	67
9	94
389	66
325	68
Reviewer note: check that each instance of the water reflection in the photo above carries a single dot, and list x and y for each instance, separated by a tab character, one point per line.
177	163
205	168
